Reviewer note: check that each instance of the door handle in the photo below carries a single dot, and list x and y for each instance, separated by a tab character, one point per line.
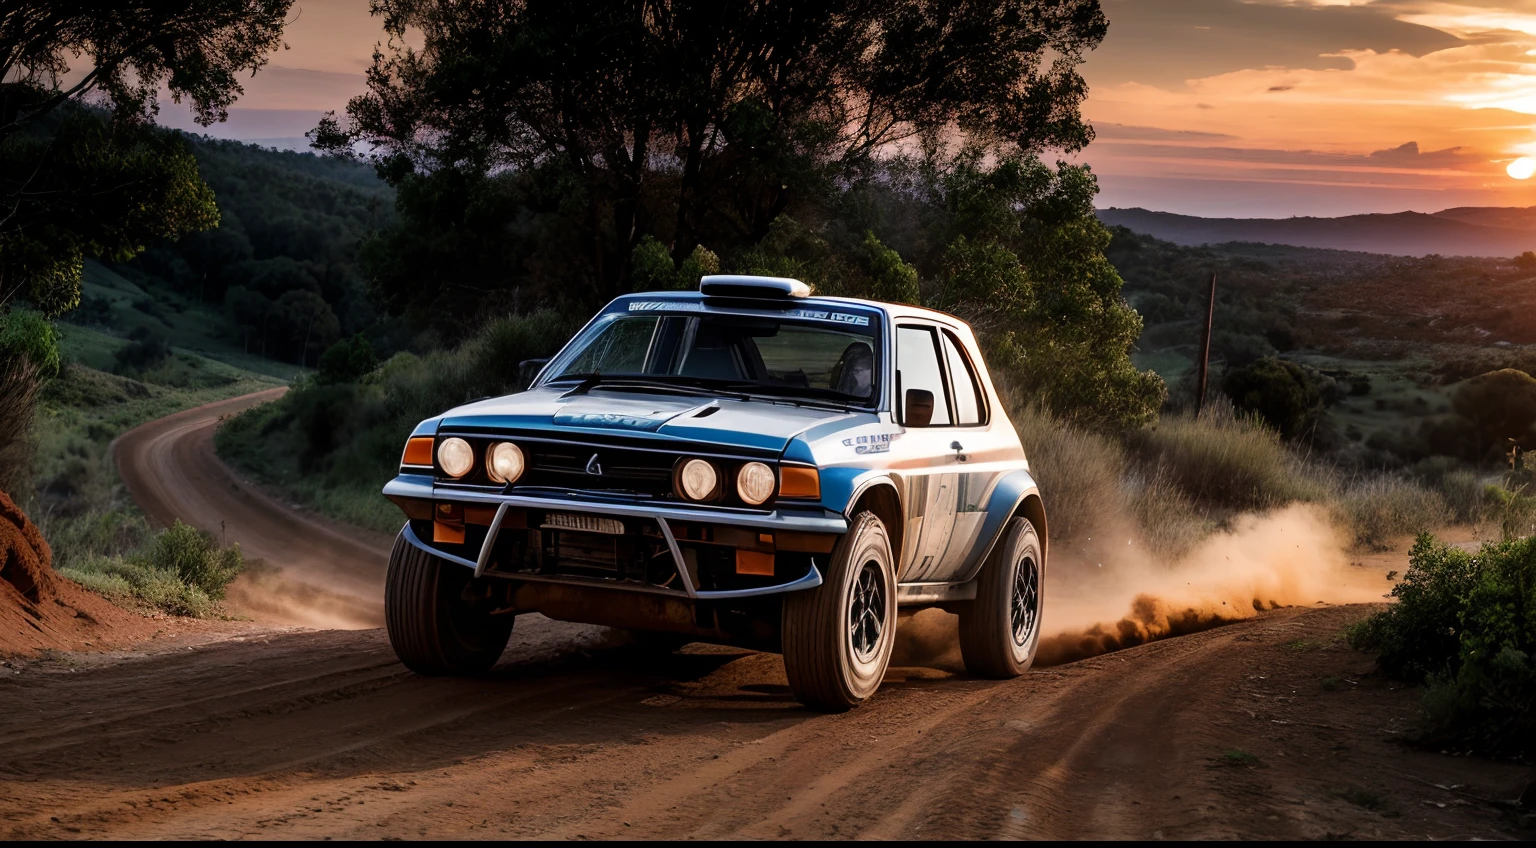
958	448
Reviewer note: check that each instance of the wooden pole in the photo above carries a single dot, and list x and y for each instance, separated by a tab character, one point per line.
1205	346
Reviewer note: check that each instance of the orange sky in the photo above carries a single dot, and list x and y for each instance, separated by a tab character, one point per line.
1237	108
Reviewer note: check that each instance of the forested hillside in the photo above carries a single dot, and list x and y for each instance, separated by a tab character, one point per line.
279	276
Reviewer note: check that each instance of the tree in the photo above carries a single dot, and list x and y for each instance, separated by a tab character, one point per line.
1286	395
103	182
1498	410
692	122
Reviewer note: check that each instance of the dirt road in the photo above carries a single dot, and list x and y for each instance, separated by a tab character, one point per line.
312	573
1268	728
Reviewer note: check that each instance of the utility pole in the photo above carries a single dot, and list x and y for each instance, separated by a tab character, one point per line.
1205	346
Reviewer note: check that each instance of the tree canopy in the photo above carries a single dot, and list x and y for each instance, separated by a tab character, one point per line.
691	122
82	171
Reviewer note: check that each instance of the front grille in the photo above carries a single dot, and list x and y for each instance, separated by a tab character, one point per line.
625	468
647	473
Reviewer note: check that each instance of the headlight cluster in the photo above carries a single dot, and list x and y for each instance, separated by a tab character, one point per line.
702	480
504	461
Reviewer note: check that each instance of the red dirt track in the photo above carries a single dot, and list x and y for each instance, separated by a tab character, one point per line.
576	734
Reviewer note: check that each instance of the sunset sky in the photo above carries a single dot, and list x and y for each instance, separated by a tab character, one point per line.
1239	108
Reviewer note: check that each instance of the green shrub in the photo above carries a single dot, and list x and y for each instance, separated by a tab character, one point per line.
1466	625
145	350
180	570
1382	508
1288	396
27	335
194	558
1513	511
347	360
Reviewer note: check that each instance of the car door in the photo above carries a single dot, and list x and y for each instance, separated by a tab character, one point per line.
982	458
922	456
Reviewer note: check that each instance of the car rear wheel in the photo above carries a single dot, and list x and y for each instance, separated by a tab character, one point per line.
838	637
434	628
1000	630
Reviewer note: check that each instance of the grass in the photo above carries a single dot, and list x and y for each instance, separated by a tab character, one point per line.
1303	646
1382	509
180	570
1332	684
99	538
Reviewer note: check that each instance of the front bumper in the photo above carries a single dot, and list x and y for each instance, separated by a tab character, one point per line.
809	533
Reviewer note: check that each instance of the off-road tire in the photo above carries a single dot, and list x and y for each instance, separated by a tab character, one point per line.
434	630
990	642
827	669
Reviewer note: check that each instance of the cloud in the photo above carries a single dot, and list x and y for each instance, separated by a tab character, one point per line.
1167	42
1123	132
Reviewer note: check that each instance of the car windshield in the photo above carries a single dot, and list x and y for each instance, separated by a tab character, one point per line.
826	359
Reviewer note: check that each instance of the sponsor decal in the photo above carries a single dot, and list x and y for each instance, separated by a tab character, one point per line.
877	443
665	305
835	317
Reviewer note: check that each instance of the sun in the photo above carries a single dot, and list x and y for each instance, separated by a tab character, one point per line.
1522	169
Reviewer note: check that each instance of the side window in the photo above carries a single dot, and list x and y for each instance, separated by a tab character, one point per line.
970	403
917	367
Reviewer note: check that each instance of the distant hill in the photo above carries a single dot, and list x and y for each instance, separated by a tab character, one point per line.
1464	231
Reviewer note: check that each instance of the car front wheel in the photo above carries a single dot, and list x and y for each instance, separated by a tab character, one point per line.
433	627
1000	630
838	636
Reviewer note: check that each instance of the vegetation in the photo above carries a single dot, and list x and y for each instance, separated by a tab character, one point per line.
78	183
180	570
333	444
1465	625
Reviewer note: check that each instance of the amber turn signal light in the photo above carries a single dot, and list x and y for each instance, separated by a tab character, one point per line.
799	482
418	451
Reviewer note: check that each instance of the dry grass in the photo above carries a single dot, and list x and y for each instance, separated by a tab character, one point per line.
1224	461
1381	509
1080	473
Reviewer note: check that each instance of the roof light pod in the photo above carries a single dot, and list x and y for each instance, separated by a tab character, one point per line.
739	285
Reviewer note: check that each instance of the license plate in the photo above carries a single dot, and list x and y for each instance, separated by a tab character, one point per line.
583	523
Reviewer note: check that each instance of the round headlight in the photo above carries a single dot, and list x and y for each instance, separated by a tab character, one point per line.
755	483
504	462
456	457
698	479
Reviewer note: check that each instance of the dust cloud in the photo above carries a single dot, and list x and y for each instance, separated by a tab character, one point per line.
1110	592
276	595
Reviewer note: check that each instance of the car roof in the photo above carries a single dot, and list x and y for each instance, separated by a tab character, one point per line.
895	310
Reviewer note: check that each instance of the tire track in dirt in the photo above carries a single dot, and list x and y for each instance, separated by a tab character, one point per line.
577	735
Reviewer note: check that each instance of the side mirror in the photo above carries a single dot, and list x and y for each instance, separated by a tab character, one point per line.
527	371
918	409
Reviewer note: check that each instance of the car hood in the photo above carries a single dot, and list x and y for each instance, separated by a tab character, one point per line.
759	424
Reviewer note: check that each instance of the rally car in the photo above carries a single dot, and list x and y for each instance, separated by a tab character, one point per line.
745	465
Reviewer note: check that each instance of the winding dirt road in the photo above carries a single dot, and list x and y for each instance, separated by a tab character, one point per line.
1269	728
312	572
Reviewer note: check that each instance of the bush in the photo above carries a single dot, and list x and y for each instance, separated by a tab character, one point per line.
145	349
1466	625
27	335
195	558
180	570
347	360
1223	460
1288	396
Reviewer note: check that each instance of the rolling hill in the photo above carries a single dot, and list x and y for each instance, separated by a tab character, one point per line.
1464	231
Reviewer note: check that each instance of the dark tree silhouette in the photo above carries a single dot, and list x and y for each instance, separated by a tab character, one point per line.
600	123
77	181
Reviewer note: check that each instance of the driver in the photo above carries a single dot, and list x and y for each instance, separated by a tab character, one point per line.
854	373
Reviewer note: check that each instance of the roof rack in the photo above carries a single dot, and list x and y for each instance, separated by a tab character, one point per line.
738	285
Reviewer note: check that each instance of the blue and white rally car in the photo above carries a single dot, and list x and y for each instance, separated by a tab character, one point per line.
745	464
